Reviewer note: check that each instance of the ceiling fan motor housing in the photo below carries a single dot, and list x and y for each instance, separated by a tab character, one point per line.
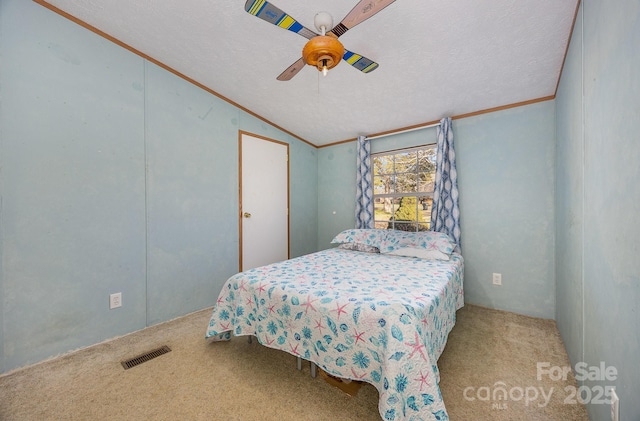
323	51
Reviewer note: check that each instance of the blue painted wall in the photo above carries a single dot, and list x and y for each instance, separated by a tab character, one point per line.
336	191
116	176
598	198
569	199
190	140
506	180
73	182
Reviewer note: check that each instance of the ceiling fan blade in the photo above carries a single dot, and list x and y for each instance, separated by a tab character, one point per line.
267	11
363	11
292	70
360	62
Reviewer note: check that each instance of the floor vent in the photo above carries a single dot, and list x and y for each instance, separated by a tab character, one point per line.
145	357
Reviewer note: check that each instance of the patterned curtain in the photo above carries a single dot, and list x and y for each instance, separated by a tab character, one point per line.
364	185
445	213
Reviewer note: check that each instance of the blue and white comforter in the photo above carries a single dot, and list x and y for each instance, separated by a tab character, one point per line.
363	316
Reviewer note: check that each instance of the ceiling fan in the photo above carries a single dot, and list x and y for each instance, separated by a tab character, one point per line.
323	50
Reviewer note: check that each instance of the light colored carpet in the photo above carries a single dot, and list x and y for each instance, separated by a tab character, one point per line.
200	380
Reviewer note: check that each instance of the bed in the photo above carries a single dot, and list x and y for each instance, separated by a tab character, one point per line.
382	317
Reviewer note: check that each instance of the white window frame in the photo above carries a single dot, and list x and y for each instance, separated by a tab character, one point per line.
397	196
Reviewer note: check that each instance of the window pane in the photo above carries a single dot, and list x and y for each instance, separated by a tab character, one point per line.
383	164
406	209
405	161
403	226
427	160
383	209
424	213
406	183
425	181
395	204
383	184
381	225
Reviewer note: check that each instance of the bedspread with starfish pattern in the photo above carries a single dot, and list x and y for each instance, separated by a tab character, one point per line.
370	317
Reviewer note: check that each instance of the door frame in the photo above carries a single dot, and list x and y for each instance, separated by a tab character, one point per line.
240	212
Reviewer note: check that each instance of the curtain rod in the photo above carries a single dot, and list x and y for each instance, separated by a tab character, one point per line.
402	131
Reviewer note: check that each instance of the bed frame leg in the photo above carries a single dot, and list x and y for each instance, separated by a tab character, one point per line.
313	370
299	363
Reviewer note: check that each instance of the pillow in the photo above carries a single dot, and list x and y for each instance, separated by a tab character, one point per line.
429	240
369	237
359	247
421	253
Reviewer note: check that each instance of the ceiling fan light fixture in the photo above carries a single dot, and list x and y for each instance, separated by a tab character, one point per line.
323	52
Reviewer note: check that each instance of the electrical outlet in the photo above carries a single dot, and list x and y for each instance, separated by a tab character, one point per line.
615	406
497	279
115	300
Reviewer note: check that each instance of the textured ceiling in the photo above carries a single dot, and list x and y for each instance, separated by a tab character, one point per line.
437	58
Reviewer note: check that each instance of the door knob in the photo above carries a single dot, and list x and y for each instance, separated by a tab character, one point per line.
247	215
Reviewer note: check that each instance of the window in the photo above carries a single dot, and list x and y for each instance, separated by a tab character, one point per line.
403	188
